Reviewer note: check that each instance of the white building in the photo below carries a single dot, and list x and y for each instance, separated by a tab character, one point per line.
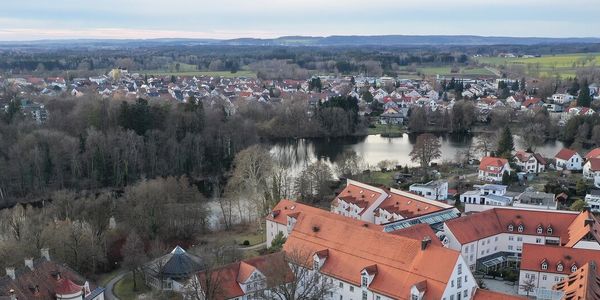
562	98
544	266
530	162
591	170
492	168
485	197
494	238
433	190
593	200
536	200
568	159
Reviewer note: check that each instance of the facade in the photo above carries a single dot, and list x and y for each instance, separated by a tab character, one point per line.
375	205
433	190
492	168
593	200
581	284
494	238
536	200
530	162
591	170
484	197
43	278
567	159
543	267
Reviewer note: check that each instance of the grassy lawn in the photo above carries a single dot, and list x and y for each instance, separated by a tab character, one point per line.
380	178
564	65
105	278
391	130
446	70
124	288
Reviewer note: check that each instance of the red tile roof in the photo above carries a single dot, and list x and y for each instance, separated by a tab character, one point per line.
409	205
476	226
594	164
531	101
400	261
419	232
593	154
582	284
362	196
487	163
586	225
565	154
534	255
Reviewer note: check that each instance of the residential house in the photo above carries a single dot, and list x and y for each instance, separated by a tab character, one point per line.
567	159
593	200
543	267
562	98
492	168
532	103
433	190
530	162
43	278
594	153
591	170
391	116
536	200
494	238
485	197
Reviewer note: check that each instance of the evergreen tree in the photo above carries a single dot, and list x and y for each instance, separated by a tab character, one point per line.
523	84
506	143
584	99
574	87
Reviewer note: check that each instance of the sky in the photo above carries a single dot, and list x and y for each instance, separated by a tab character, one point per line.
225	19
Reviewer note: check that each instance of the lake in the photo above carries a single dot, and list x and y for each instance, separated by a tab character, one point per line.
374	148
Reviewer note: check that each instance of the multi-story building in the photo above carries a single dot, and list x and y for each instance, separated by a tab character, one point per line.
530	162
591	170
593	200
484	197
375	205
581	284
542	267
567	159
492	168
494	238
433	190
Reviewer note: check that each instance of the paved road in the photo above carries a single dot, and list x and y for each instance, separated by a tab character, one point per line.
108	293
257	246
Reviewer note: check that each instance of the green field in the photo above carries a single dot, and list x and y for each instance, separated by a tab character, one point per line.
563	65
446	71
192	70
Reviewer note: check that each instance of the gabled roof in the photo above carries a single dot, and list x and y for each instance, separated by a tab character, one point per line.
582	284
401	263
360	194
594	163
497	220
595	153
419	232
489	162
565	154
409	205
534	255
585	225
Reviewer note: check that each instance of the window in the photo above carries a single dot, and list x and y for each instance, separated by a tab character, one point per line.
573	268
341	297
377	298
544	277
521	228
365	281
466	293
459	269
459	282
519	239
510	227
452	283
496	239
351	288
466	277
413	297
510	238
364	295
451	297
544	266
540	230
341	285
316	264
559	267
510	247
538	241
549	230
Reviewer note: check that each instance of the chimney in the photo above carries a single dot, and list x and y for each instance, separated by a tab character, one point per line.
29	263
11	273
45	253
425	242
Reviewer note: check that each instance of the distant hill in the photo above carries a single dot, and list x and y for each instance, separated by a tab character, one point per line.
336	40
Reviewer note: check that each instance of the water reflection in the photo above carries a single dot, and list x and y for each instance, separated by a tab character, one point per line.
374	148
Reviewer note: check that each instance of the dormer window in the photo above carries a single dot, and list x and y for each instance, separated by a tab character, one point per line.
520	228
559	267
540	230
544	266
549	230
573	268
364	281
511	227
316	264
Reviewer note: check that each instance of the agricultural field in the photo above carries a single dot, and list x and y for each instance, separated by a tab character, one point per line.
563	65
447	71
192	70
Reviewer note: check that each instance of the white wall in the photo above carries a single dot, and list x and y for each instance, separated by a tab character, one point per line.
461	281
542	280
272	229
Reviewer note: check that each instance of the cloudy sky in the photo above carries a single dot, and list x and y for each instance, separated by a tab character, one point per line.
60	19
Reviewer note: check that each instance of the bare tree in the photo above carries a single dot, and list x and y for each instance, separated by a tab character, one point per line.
289	277
528	286
426	149
485	143
133	255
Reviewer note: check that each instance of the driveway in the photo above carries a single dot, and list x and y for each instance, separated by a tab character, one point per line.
108	293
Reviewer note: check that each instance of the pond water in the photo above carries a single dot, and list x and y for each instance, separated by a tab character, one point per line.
374	148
